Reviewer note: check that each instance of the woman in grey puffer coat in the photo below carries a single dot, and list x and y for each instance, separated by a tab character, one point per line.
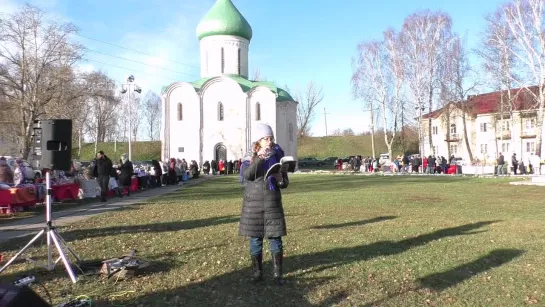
262	212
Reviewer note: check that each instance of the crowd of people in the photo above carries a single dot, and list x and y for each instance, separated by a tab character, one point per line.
12	177
531	164
402	163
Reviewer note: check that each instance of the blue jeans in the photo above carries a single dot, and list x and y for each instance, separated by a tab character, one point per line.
256	245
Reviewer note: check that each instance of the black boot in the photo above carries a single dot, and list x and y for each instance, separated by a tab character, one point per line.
257	268
278	259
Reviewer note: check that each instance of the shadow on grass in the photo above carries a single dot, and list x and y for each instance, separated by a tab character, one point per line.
158	227
443	280
233	289
356	223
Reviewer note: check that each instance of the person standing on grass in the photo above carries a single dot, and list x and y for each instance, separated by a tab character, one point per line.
103	170
126	169
262	211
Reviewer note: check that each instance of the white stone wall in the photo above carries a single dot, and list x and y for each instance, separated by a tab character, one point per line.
477	137
286	117
184	133
230	131
210	48
267	103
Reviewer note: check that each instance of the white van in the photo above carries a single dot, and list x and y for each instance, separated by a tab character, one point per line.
384	159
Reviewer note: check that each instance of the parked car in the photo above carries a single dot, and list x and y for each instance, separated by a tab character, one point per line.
331	161
347	159
384	159
310	162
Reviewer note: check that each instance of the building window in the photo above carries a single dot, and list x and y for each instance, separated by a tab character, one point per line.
504	126
239	61
530	123
435	149
483	127
257	111
220	111
505	147
530	147
434	130
222	60
453	149
452	130
180	112
290	132
484	148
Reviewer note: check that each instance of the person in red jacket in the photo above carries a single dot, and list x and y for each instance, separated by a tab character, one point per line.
221	166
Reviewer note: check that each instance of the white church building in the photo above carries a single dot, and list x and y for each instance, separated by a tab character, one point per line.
212	118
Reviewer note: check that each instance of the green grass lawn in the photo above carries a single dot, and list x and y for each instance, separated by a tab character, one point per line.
352	241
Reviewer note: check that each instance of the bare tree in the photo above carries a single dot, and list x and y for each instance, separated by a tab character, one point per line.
379	79
306	109
370	81
499	64
257	76
424	36
395	64
337	132
525	20
152	108
102	105
35	55
348	132
456	86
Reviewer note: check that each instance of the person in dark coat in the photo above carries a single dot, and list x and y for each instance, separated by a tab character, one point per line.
127	171
103	170
206	167
230	167
262	212
214	167
158	172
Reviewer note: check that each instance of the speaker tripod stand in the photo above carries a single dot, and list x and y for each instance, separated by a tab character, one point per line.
52	238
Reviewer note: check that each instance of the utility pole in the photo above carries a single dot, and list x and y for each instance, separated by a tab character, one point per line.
372	127
325	119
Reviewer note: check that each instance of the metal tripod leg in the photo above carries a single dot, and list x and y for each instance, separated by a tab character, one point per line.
22	250
66	245
64	258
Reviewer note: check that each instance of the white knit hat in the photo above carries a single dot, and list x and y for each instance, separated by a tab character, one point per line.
261	131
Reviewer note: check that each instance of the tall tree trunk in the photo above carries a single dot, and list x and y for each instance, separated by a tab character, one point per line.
430	106
539	122
468	146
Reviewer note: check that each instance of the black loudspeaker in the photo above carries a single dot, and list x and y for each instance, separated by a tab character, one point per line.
13	296
53	144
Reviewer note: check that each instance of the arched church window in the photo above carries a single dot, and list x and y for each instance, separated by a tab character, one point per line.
220	111
222	60
180	112
238	61
290	132
257	111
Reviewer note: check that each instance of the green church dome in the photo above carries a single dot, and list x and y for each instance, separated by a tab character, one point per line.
224	19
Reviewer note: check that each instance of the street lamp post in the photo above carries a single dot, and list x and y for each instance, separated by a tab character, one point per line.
128	88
